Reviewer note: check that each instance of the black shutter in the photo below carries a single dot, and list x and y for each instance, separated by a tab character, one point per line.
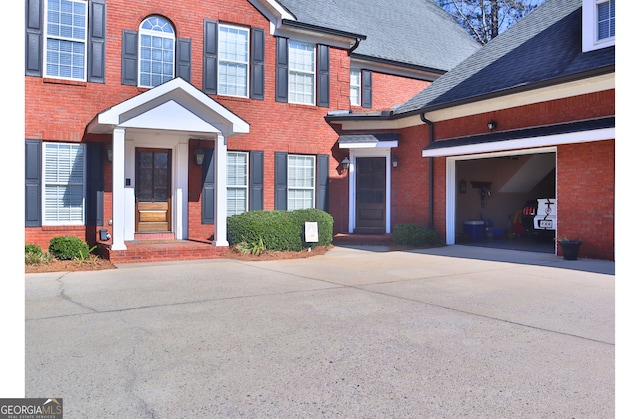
281	180
97	36
257	64
33	38
282	69
322	202
366	89
208	188
210	83
183	59
130	58
95	184
256	173
33	183
323	76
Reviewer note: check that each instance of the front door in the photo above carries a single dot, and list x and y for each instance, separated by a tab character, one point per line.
371	194
153	190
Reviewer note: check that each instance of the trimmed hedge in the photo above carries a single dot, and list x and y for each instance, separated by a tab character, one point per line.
279	230
414	235
68	248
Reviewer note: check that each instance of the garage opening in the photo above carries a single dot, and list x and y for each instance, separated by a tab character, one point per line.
507	202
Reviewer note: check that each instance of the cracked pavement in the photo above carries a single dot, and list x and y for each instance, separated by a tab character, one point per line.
357	333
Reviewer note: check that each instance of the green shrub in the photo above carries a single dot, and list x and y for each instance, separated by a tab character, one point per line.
414	235
68	248
33	255
278	230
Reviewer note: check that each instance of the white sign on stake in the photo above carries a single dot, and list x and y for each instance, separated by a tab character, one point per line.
310	232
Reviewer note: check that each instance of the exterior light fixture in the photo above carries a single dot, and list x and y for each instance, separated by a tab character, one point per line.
345	163
199	156
492	125
109	151
394	161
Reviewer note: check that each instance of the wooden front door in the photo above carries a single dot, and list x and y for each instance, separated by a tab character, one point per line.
371	194
153	190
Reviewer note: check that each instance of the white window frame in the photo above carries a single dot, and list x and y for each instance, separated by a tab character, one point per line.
157	32
355	87
69	39
61	164
231	186
233	61
293	186
590	39
299	73
598	4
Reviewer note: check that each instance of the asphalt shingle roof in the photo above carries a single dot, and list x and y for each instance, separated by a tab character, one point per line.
544	46
414	32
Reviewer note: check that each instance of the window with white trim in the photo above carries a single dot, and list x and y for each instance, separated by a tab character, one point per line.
301	182
157	41
355	87
302	73
606	12
237	182
66	39
64	183
233	61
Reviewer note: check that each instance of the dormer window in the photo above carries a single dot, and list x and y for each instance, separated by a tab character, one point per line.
598	24
606	19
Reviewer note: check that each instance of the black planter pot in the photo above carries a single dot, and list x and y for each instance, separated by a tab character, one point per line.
570	249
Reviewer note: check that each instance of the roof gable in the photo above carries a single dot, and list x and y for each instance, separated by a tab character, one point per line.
175	105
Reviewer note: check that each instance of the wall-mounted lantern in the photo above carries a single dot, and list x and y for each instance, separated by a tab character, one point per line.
492	125
345	164
109	151
199	156
394	161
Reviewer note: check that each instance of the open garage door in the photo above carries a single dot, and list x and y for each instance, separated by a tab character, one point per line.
506	201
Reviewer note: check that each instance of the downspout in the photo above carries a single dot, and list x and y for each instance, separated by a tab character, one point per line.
353	48
431	171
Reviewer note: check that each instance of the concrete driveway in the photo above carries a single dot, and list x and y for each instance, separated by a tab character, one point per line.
355	333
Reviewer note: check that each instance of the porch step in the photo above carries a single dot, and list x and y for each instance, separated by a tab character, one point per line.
163	251
347	239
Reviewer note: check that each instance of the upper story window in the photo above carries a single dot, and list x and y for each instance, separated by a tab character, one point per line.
302	73
233	65
355	87
66	39
157	51
598	24
606	19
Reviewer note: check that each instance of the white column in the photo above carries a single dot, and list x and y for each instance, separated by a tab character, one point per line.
220	208
118	198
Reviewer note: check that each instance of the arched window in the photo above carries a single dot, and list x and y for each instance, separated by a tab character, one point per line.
157	51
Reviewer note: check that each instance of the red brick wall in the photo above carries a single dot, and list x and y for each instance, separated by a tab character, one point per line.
410	180
586	106
586	192
389	90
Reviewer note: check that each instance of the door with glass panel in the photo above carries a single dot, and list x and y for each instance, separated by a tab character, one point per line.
371	194
153	190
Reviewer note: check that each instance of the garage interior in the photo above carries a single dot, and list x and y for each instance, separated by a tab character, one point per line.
491	193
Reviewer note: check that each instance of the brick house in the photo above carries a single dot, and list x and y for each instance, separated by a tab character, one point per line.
152	120
529	115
